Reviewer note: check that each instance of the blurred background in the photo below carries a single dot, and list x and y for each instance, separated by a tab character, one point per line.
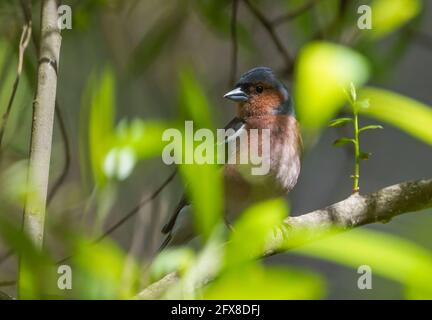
149	53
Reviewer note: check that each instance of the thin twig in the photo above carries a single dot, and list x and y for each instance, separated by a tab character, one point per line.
24	41
131	213
295	13
289	62
234	43
138	207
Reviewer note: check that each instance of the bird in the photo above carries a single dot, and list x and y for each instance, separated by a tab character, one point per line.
263	102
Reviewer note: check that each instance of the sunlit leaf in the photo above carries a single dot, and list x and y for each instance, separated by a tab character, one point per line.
323	72
353	92
14	184
361	104
119	163
389	15
415	292
371	127
343	141
143	137
255	282
101	126
412	116
387	255
205	190
37	274
170	260
207	263
256	225
194	103
101	271
340	122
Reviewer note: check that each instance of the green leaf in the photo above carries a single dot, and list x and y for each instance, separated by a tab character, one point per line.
340	122
361	104
144	137
103	271
256	282
256	224
387	255
36	274
101	118
193	101
412	116
389	15
170	260
365	155
323	71
353	93
371	127
343	141
205	190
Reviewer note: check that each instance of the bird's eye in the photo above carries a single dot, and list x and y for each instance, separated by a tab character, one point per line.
259	89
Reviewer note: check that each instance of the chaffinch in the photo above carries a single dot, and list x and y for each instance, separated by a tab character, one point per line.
263	102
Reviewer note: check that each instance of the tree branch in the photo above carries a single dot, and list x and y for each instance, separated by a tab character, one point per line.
234	44
295	13
289	61
357	210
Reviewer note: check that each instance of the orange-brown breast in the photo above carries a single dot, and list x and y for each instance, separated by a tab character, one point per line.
285	157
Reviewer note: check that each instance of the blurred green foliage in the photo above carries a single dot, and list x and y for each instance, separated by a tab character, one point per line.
389	256
270	283
323	71
101	118
194	104
255	224
405	113
103	271
114	147
389	15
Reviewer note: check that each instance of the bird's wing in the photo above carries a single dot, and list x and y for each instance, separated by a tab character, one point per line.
235	124
171	222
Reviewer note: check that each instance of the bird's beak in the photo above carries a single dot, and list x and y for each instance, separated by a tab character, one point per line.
237	95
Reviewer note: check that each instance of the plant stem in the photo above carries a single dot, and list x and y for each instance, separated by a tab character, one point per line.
41	136
357	153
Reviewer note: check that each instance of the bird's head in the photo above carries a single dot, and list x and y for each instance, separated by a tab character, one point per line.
260	93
